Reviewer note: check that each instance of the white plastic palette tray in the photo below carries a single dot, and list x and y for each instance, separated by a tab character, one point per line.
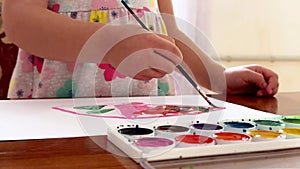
137	154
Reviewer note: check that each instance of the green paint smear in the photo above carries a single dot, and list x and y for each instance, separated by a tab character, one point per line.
268	122
294	121
99	111
292	117
203	109
89	107
163	88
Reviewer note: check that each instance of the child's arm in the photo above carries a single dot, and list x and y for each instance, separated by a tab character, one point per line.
248	79
207	72
30	25
39	31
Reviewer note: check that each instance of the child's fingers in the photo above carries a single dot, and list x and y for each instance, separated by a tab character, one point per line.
168	38
149	74
140	76
262	92
147	59
270	76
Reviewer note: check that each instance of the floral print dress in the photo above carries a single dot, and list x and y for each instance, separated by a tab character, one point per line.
35	77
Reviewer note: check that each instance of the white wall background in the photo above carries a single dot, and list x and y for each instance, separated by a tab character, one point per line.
247	28
266	32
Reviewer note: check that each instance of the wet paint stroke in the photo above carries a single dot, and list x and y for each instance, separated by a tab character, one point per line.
128	109
90	107
135	110
94	109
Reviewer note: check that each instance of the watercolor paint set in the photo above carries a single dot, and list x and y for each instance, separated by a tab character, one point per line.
158	142
156	132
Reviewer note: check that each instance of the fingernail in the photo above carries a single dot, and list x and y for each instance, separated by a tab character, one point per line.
270	91
259	93
265	85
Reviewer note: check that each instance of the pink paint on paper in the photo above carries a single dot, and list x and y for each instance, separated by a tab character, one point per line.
129	109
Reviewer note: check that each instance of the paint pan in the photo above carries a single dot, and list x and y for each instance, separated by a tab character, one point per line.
292	122
273	125
238	126
192	140
136	132
291	133
154	144
171	131
266	135
231	138
206	129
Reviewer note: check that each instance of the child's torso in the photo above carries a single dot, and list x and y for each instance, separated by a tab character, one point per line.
83	5
42	78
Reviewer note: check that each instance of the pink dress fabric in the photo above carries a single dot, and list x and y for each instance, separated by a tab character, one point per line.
35	77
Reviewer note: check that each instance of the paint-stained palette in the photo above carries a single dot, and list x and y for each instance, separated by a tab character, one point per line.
167	142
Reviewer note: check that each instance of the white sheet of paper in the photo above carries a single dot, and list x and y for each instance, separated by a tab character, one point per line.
36	119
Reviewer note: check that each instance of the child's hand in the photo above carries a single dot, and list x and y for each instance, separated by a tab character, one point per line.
135	56
251	79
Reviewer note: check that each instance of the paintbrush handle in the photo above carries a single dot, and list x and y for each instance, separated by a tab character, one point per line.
180	68
134	15
193	83
187	76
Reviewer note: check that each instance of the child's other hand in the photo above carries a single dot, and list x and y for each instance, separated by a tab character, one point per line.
251	79
136	56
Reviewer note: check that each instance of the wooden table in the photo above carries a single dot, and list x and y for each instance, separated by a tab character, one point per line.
282	103
82	152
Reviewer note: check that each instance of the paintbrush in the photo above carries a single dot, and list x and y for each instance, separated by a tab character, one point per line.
179	67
